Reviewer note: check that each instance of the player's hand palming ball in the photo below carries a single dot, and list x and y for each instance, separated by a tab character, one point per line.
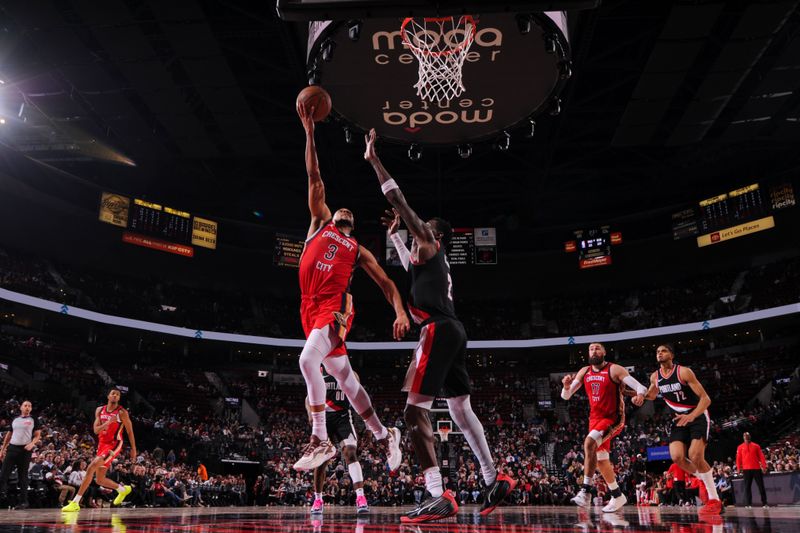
316	101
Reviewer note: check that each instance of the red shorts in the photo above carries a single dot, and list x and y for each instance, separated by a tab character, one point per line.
336	311
109	451
609	427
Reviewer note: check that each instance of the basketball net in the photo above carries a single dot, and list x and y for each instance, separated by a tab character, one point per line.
440	45
444	431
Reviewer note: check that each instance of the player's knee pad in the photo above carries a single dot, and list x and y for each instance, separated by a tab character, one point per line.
602	455
596	436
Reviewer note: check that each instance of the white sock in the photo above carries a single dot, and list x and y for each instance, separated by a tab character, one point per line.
708	480
613	485
355	472
466	420
120	488
587	480
359	492
318	427
376	427
433	481
317	496
77	498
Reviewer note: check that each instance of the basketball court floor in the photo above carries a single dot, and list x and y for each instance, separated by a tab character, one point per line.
380	520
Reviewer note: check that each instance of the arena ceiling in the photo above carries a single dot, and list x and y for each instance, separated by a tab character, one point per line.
668	101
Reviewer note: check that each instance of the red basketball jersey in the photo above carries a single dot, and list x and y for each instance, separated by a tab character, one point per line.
327	263
605	396
113	433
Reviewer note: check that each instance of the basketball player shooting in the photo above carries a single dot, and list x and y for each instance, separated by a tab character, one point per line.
439	362
109	421
684	394
329	258
604	383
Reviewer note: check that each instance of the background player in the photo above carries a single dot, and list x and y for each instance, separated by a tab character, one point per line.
326	269
439	360
339	422
109	420
603	382
685	395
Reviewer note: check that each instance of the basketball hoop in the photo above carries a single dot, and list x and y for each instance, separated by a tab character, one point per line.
440	44
444	431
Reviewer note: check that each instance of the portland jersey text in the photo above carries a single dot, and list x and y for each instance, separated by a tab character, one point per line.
327	262
431	289
678	395
335	400
605	396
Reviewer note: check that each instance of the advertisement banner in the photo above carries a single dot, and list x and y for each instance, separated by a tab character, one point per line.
114	209
602	260
658	453
736	231
485	237
156	244
570	246
204	233
392	258
616	237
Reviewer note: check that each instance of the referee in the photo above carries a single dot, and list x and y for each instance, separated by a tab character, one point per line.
16	451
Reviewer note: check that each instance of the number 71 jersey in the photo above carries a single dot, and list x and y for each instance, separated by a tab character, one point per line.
327	263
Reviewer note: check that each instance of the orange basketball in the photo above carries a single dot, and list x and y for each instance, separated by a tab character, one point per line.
318	98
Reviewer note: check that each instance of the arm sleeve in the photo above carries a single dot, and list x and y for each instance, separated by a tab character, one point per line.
402	251
631	382
761	459
573	388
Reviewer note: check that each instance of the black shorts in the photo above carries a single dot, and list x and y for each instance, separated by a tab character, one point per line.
699	429
340	428
439	365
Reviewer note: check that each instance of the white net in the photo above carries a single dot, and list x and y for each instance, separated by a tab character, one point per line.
441	46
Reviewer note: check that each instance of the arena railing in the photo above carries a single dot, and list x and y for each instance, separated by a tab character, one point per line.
689	327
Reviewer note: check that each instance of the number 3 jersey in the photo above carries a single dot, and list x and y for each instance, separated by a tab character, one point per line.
327	263
676	393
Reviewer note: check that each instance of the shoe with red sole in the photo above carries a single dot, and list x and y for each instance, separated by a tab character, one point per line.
444	506
711	508
500	489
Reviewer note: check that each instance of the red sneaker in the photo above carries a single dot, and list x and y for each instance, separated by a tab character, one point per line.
712	507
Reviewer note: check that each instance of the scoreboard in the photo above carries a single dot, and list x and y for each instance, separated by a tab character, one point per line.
732	214
157	226
160	221
287	250
593	246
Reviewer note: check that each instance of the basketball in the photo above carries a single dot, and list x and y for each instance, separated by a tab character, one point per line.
318	98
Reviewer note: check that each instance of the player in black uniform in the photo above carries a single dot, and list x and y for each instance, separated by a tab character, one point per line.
439	362
339	422
685	395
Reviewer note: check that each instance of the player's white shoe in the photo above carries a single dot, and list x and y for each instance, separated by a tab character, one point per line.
393	454
582	499
315	453
615	504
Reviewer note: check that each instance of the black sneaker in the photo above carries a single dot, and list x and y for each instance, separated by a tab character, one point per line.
502	487
433	509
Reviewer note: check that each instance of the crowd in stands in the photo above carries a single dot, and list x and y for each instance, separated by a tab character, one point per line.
699	298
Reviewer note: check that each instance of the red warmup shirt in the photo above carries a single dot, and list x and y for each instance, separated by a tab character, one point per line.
749	456
676	473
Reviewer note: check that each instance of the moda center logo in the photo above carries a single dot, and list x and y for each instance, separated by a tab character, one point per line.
413	114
